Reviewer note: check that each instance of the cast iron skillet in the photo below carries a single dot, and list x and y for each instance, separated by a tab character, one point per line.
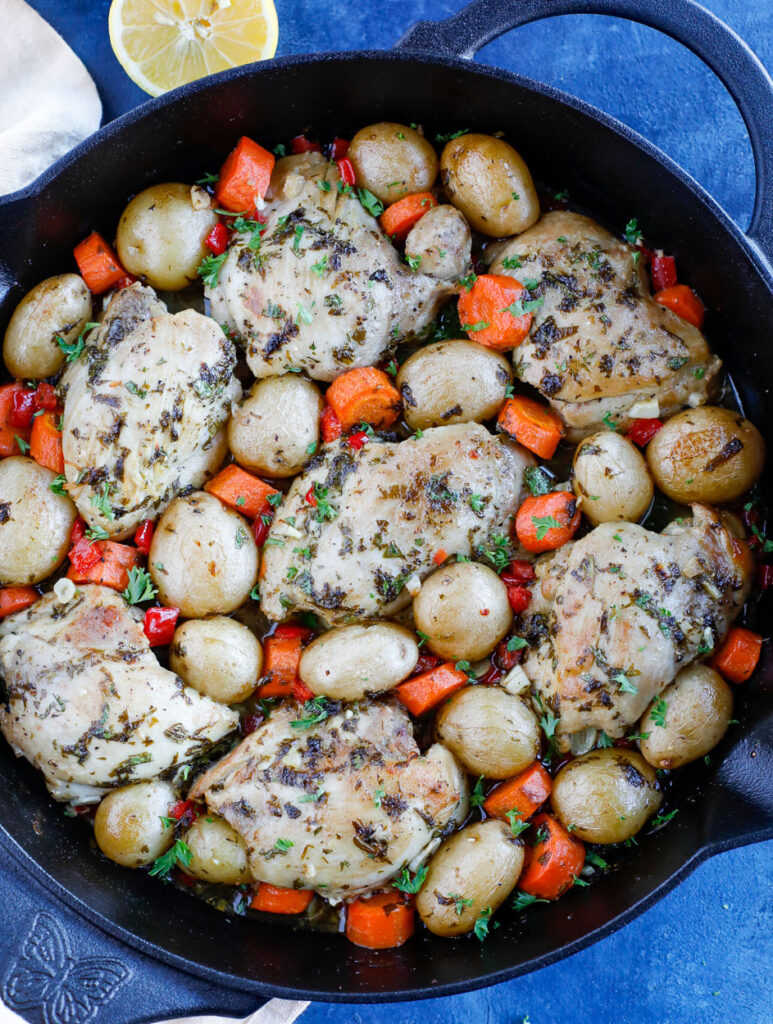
610	171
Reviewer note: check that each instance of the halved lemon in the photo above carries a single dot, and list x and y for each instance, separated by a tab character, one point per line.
161	44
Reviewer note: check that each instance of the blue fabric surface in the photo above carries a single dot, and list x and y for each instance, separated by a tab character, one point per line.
705	952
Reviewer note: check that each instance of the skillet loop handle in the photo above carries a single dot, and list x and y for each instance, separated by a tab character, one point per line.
717	45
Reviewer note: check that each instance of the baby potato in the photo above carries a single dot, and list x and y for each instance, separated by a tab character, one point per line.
491	732
464	611
203	559
392	160
606	795
452	382
219	657
57	307
161	234
272	430
441	240
706	454
489	182
352	661
35	523
611	479
699	706
219	853
475	869
128	826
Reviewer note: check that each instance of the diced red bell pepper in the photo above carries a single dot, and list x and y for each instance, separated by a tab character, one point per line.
251	723
45	396
346	170
519	598
124	282
143	536
339	148
504	657
84	555
425	663
260	526
300	144
440	556
310	497
159	625
78	531
330	425
490	677
23	408
301	692
765	576
518	572
663	272
181	808
641	432
357	440
217	239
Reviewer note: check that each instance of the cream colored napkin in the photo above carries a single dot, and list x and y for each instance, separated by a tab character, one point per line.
48	100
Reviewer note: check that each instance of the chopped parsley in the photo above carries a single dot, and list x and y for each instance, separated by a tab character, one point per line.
464	666
414	262
323	512
101	501
23	445
178	853
516	825
208	178
283	845
521	308
658	712
633	235
140	586
544	525
523	900
209	269
481	325
468	281
320	268
57	485
316	710
516	643
625	684
477	797
605	740
512	262
481	928
451	135
663	819
73	351
461	902
374	207
608	422
304	315
405	883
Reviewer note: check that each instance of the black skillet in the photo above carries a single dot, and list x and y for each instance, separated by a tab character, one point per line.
609	170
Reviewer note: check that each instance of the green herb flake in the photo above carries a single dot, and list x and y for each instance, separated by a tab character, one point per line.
140	586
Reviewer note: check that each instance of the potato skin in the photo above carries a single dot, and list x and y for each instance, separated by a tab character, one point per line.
208	558
606	795
219	853
442	241
60	305
482	176
464	611
706	454
218	656
128	827
452	382
699	709
272	429
161	236
392	160
611	479
482	864
35	523
491	732
349	662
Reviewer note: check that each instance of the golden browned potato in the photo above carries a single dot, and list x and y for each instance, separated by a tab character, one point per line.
35	523
128	826
611	479
161	235
471	874
219	657
707	454
352	661
392	161
490	183
441	240
606	796
57	307
203	559
277	426
695	711
491	732
463	610
452	382
219	853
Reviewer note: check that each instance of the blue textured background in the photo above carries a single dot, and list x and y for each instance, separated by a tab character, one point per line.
705	953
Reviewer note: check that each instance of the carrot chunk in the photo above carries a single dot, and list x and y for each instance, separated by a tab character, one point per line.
547	521
553	861
364	395
494	312
46	442
524	793
111	568
98	264
241	490
244	177
531	424
683	301
281	657
398	219
10	435
381	922
16	599
737	658
422	692
273	899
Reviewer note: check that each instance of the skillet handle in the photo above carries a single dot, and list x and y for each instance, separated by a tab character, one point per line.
717	45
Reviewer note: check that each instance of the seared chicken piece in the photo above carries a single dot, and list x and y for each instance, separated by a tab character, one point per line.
378	516
341	806
325	291
599	343
618	613
145	409
89	704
